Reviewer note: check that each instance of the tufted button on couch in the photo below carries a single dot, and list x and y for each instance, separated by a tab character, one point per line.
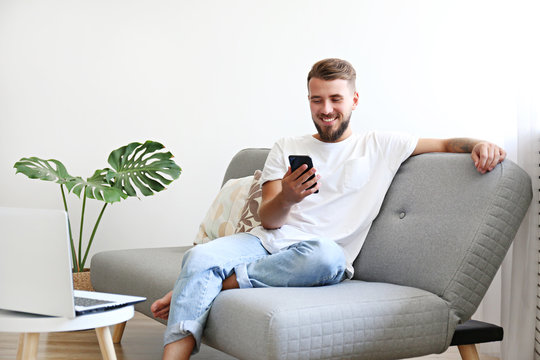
430	256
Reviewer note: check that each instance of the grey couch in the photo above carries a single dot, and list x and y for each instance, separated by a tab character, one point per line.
442	233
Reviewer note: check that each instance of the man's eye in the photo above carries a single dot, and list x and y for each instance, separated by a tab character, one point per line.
315	101
337	100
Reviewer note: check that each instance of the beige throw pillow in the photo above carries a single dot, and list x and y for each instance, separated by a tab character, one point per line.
224	213
249	217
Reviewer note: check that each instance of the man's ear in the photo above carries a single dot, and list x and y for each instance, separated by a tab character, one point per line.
355	100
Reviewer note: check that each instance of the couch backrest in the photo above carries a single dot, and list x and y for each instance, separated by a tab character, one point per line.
245	162
445	228
442	227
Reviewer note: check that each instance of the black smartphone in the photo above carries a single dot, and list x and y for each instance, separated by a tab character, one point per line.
298	160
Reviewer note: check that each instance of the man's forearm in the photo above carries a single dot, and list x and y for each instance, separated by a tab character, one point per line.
274	213
461	145
485	155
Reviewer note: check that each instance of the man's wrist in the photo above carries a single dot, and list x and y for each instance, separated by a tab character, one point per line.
282	203
461	145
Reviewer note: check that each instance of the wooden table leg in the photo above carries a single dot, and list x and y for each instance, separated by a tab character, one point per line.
118	332
28	346
20	347
468	352
106	343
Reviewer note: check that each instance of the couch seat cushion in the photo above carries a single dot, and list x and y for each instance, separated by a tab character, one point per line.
352	320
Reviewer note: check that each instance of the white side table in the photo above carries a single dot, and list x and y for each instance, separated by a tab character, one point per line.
30	325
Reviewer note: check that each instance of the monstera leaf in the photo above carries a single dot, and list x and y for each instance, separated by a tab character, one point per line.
48	170
143	167
96	187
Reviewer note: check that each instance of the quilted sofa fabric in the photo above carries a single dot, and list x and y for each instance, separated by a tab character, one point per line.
454	224
352	320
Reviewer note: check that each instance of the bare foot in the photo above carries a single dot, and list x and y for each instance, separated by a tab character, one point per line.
160	307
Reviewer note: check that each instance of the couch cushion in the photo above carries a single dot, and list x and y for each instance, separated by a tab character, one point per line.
142	272
226	210
354	319
249	217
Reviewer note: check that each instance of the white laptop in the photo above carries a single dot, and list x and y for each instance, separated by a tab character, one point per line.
35	267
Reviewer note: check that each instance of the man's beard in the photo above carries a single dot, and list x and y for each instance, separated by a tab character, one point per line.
327	135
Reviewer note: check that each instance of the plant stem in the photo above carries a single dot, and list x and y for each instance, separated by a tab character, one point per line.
73	253
93	234
80	267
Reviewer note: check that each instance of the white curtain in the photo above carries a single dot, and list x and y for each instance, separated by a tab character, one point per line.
520	269
513	299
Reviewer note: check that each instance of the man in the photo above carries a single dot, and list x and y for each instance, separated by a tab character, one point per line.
312	229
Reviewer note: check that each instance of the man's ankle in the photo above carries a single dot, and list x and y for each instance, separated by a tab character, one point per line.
179	350
230	283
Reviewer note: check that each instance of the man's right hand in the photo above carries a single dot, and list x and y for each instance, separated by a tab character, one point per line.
295	186
279	196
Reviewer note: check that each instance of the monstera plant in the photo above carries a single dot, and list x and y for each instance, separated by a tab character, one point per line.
144	167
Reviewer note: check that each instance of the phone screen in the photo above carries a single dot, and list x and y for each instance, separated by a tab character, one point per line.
298	160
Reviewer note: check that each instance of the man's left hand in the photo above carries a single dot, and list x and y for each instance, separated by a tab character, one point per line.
486	156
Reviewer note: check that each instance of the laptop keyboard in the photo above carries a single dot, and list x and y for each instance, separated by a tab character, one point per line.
82	301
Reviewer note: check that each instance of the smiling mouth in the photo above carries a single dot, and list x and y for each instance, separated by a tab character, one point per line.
328	121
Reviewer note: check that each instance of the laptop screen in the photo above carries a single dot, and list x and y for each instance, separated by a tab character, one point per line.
35	262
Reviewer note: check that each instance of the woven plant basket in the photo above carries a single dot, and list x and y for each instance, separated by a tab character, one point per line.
81	280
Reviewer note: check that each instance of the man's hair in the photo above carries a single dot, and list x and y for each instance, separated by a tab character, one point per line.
332	69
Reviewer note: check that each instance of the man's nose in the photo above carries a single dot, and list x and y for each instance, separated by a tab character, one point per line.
327	108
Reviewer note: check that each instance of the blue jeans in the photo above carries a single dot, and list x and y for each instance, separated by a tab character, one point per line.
204	267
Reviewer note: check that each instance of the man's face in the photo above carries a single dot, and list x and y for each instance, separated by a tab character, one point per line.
331	103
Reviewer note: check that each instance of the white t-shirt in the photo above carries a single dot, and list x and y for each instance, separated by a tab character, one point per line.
355	176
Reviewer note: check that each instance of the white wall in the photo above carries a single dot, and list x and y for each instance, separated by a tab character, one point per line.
207	78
